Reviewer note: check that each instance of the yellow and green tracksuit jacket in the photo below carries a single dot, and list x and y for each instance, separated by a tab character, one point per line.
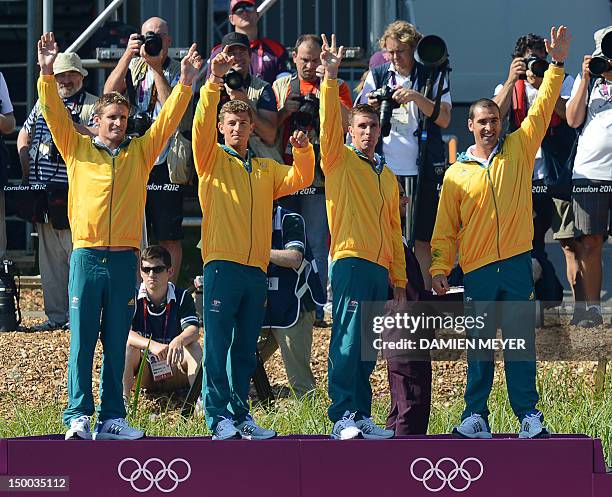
486	211
362	206
108	190
236	195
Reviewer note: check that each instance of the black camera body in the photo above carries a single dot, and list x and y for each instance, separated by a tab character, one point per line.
307	115
536	65
599	65
384	96
152	42
234	79
138	124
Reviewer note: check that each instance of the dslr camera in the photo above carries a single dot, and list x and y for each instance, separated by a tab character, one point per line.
602	63
234	79
307	114
536	65
152	42
138	124
384	96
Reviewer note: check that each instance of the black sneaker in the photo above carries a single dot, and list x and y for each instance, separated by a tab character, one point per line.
578	315
591	318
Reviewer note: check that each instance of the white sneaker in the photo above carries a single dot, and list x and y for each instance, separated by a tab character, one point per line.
473	426
372	431
225	430
116	429
345	428
531	427
79	429
250	430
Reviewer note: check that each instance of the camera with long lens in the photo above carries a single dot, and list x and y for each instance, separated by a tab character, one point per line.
602	63
307	114
138	124
152	42
536	65
431	51
234	79
384	96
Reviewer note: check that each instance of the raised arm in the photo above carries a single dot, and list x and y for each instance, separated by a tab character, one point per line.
534	126
156	138
504	98
53	109
204	130
289	179
116	79
332	133
576	108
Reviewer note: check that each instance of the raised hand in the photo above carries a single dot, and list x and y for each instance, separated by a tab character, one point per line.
190	66
222	63
559	43
299	139
331	56
47	52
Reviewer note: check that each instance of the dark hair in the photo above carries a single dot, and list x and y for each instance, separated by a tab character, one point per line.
484	103
156	252
308	38
528	42
362	109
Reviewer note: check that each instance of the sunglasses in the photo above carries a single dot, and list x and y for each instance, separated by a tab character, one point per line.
245	8
155	269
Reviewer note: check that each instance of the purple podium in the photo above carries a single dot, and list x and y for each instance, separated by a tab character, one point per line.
306	466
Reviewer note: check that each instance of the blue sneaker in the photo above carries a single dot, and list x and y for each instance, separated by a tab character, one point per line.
473	426
345	428
531	427
250	430
225	430
116	429
372	431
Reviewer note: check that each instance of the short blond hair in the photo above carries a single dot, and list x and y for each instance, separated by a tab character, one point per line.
402	31
235	107
107	99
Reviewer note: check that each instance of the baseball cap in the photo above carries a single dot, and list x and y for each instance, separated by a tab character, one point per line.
68	61
234	38
603	42
235	3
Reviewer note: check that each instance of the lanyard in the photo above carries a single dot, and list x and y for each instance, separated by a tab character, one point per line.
146	316
376	165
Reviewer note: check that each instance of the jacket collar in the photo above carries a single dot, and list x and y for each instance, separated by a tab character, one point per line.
113	153
246	163
468	157
377	164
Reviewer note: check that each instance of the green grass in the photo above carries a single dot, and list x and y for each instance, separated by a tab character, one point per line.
568	401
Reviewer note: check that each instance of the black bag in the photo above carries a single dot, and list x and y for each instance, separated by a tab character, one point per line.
57	206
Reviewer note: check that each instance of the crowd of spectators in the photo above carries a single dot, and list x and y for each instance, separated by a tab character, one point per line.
274	120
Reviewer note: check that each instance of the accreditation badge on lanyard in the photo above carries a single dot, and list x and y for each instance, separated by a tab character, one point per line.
160	369
400	117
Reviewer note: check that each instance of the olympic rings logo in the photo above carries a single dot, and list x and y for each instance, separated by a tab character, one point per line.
458	471
146	470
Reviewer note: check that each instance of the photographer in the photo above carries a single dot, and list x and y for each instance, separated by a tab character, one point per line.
590	108
551	206
405	78
236	192
7	125
148	75
240	84
297	96
107	178
42	164
268	58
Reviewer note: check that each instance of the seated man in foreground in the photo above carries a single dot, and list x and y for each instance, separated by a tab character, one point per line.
166	322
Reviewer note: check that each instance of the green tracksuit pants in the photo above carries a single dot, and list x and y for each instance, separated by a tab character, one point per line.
354	282
503	291
102	291
234	306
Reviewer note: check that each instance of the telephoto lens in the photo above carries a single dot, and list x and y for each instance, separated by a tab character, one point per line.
599	65
431	51
153	43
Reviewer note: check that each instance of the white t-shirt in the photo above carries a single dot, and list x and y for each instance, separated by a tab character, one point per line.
594	154
401	147
6	106
532	93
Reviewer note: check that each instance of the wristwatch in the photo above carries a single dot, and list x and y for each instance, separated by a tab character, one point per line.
557	63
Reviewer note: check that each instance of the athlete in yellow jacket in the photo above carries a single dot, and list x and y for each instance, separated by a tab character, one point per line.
236	191
107	179
362	198
485	211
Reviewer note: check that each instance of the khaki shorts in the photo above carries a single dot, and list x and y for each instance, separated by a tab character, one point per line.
563	226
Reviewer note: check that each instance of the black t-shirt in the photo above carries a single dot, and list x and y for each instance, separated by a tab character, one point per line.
168	320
